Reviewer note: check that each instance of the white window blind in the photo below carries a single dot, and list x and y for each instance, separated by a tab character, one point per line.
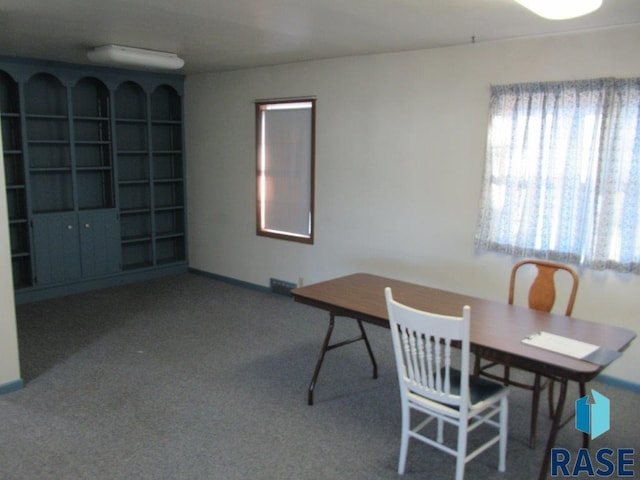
285	169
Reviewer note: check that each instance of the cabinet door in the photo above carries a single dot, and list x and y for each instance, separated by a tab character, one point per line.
99	242
56	248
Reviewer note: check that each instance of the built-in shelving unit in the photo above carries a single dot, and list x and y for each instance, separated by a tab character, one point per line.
92	143
168	176
48	144
94	171
14	170
134	182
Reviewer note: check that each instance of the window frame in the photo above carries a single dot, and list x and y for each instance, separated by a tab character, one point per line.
261	229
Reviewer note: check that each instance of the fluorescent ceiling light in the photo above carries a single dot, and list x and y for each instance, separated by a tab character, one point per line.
561	9
134	57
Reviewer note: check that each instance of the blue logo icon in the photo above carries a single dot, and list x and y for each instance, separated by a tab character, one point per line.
592	417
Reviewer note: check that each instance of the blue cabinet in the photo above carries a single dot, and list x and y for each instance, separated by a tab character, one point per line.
70	246
94	166
56	248
99	234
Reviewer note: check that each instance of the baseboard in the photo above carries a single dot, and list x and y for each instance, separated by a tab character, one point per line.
11	386
619	383
230	280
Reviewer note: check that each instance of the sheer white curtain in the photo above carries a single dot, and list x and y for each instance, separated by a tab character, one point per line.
562	173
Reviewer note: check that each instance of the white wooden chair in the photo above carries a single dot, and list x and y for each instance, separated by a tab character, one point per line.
429	384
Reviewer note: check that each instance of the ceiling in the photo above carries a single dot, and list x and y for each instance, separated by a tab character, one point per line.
218	35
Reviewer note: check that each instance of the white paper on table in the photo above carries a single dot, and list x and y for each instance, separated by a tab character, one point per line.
559	344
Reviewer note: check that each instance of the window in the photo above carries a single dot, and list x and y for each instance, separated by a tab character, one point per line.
285	137
562	173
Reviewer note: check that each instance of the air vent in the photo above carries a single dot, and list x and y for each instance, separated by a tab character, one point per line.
281	287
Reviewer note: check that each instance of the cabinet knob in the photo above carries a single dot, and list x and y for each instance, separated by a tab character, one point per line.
86	225
69	227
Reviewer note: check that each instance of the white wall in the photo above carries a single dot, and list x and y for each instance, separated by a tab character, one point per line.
9	363
400	153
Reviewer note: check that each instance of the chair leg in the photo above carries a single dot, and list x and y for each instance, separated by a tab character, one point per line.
506	375
461	457
535	406
476	366
504	430
404	439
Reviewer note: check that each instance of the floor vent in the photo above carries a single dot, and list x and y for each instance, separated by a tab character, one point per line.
281	287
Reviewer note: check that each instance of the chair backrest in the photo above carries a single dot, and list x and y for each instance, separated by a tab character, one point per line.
422	343
542	292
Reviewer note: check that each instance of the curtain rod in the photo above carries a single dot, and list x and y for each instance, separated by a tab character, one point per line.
285	99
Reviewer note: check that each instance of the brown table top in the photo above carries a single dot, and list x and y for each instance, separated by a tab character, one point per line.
495	326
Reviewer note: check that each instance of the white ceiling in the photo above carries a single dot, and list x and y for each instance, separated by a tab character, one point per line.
216	35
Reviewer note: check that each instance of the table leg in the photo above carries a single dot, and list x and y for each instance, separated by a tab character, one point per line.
366	342
556	425
326	347
585	436
323	350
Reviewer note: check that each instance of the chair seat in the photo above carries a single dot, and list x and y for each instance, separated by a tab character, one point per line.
480	389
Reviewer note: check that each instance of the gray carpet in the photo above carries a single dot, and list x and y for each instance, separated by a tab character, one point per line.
191	378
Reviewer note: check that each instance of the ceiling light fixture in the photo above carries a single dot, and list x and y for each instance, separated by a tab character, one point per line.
561	9
134	57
